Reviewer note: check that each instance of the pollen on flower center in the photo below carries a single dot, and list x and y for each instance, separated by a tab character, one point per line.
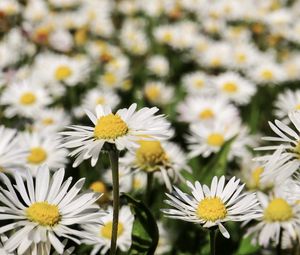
47	121
215	139
98	186
110	126
27	98
230	87
267	74
278	210
211	209
110	78
63	72
206	114
152	93
297	107
256	176
43	213
199	83
100	100
150	155
37	155
107	229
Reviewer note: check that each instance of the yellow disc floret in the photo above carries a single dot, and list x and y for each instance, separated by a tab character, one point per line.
37	155
278	210
47	121
230	87
256	173
107	229
211	209
98	186
215	139
62	72
267	74
43	213
152	93
27	98
110	126
150	155
206	114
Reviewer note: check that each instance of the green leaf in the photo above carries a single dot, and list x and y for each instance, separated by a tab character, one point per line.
246	248
145	231
217	165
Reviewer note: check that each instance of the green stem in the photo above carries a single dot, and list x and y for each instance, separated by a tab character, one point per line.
114	163
278	248
212	237
148	187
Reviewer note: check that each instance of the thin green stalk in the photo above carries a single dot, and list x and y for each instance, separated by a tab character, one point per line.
212	237
148	187
114	163
278	248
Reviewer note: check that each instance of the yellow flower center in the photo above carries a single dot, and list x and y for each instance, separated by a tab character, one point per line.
211	209
43	213
152	93
100	100
278	210
267	74
110	79
230	87
107	229
256	176
150	155
37	155
167	37
216	62
98	186
198	84
215	139
47	121
63	72
206	114
27	98
297	107
241	58
137	184
110	126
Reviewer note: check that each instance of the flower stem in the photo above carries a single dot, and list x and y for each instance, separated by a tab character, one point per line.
114	163
212	236
148	187
278	248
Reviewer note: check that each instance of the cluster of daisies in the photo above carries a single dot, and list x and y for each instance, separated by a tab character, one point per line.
173	87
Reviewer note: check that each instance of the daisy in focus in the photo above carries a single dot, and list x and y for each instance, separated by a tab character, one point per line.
279	214
45	209
102	235
123	129
213	206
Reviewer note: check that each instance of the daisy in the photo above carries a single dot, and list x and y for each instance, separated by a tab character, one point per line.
287	102
24	99
45	209
278	215
102	235
158	93
43	149
205	140
205	109
158	65
12	155
124	129
197	83
289	140
157	156
213	206
234	87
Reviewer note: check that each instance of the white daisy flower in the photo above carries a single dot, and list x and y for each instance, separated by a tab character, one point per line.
102	235
24	99
158	93
287	102
206	109
205	140
124	129
44	210
213	206
234	87
12	155
50	120
158	65
197	83
278	215
154	156
288	138
43	149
